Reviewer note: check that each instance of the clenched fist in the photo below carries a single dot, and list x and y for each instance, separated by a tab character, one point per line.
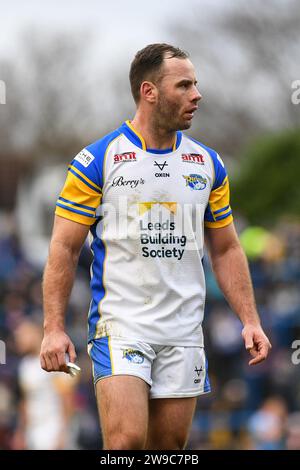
55	345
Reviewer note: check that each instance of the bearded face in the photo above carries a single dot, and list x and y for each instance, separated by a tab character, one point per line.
177	95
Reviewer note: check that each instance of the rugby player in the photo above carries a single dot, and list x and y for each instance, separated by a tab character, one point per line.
147	193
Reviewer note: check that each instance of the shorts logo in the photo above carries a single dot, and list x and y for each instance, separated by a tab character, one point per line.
84	157
193	158
198	372
125	157
195	181
132	355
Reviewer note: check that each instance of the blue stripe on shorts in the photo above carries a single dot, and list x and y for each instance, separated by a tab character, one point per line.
100	356
207	387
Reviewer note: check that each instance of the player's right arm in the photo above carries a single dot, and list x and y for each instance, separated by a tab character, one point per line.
67	240
75	214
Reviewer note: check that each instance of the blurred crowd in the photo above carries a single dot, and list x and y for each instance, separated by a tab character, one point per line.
22	382
249	407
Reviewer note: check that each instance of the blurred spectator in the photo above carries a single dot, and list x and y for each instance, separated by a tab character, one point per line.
267	425
47	404
240	413
293	432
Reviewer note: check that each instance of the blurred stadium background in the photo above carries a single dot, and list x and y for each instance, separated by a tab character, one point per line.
63	71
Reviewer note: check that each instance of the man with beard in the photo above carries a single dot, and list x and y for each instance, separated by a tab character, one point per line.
145	192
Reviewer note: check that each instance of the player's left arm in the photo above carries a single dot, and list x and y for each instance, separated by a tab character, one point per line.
230	267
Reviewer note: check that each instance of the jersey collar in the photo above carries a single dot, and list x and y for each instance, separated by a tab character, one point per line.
137	139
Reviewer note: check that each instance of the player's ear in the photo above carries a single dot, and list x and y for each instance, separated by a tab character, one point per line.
149	92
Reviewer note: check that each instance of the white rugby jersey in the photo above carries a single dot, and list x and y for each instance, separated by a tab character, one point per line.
147	209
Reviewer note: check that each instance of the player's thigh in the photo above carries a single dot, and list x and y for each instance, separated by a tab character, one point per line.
123	409
122	374
179	375
170	421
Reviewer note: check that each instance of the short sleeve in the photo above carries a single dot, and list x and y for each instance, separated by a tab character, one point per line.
218	212
81	194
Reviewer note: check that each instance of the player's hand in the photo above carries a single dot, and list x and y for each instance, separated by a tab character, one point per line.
55	345
256	342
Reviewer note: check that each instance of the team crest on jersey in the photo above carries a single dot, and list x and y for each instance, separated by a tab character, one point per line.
193	158
132	355
125	157
195	181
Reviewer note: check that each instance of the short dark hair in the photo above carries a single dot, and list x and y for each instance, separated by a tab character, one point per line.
147	63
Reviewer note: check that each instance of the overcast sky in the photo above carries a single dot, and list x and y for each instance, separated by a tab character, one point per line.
232	75
123	25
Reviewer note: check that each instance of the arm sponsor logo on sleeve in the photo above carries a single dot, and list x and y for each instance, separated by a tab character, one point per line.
84	157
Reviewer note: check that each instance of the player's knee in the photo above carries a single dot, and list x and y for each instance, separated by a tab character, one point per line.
125	441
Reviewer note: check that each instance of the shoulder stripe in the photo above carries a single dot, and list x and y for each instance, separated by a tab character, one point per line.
221	210
83	178
221	217
72	209
77	204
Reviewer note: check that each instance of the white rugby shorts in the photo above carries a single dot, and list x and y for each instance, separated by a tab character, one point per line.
170	371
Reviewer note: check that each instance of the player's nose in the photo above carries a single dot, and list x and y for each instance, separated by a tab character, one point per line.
197	95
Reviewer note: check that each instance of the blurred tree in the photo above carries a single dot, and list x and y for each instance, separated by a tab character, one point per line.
56	96
267	186
60	97
245	57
